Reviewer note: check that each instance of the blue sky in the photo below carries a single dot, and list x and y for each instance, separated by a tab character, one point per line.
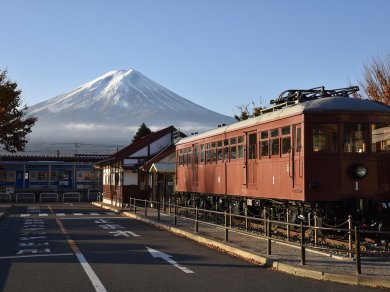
218	53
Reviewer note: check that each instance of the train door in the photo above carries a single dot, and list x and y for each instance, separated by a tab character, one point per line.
251	177
22	180
297	163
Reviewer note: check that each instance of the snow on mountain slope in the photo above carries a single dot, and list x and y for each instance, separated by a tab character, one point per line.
110	109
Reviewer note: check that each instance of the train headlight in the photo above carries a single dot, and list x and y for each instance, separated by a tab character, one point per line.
359	171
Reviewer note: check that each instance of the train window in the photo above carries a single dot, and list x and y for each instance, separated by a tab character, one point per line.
226	154
264	135
196	158
208	156
208	146
219	154
275	147
286	145
233	141
274	133
225	142
298	138
214	155
380	137
233	152
240	153
213	145
325	137
286	131
355	138
264	148
252	146
240	139
219	143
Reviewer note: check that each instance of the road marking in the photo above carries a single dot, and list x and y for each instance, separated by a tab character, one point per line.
82	260
24	215
125	233
78	214
93	213
37	255
43	214
60	214
89	218
167	257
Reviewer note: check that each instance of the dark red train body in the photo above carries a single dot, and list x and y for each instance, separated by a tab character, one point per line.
315	151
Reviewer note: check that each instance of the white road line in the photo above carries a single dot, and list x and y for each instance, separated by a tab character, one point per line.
60	214
24	215
90	273
78	214
89	218
94	213
37	255
43	214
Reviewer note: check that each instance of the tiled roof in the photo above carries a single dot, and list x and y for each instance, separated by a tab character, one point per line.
137	145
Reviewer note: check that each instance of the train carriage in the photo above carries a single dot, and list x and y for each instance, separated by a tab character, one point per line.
315	148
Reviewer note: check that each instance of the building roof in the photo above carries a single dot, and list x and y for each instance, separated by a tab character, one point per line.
161	155
137	145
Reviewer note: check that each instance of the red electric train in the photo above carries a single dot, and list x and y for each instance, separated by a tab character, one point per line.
313	150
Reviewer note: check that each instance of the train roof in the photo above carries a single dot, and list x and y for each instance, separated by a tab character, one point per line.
328	104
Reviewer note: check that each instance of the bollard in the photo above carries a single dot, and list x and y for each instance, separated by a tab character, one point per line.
303	254
357	250
268	232
226	228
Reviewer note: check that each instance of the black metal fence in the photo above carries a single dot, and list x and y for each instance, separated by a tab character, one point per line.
298	234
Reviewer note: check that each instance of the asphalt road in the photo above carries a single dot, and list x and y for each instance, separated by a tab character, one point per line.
58	247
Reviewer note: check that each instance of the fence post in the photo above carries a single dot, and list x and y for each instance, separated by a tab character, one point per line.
146	208
288	224
196	220
169	206
158	210
303	253
268	232
350	235
315	229
230	216
175	215
135	206
130	205
226	228
357	250
246	218
265	220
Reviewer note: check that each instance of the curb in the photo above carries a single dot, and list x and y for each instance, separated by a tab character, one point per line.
361	280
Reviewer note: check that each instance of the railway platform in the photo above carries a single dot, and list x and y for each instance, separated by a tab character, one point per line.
284	257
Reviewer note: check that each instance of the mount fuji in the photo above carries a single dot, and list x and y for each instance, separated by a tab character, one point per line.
109	110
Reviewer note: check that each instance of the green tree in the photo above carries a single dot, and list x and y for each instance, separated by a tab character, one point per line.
14	125
142	131
376	79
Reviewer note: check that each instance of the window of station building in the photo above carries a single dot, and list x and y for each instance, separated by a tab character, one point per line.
355	138
325	138
264	144
252	151
380	138
286	140
41	176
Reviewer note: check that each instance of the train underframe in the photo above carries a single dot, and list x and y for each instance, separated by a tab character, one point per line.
367	214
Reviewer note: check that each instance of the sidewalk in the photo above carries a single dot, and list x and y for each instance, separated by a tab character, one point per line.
284	257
